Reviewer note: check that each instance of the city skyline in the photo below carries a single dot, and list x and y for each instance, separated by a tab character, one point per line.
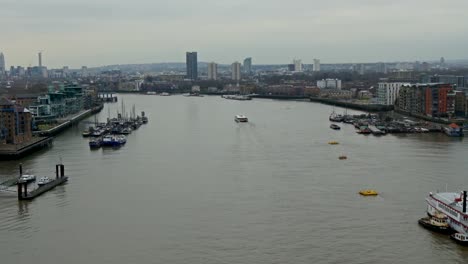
314	63
149	31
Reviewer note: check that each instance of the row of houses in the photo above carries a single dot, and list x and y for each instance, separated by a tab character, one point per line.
424	99
61	100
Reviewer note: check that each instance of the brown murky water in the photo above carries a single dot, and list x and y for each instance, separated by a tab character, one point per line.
193	186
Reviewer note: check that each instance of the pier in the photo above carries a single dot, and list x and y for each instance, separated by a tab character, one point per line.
60	179
108	97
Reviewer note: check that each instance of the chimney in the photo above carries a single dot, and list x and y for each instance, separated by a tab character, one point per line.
464	202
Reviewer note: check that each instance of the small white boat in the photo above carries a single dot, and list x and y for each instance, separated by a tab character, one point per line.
26	178
164	94
241	118
460	238
44	181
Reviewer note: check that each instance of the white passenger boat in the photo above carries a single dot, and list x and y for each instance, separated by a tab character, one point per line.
241	118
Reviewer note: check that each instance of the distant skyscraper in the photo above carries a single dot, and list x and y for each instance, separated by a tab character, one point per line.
65	71
297	65
40	58
316	65
2	63
248	66
212	71
416	66
84	71
442	61
381	67
362	68
236	71
192	65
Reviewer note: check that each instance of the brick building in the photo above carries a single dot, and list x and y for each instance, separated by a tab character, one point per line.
15	123
431	99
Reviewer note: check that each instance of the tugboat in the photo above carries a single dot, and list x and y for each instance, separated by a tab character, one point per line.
436	223
335	127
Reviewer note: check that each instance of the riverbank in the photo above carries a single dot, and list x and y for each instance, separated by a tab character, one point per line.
353	105
69	122
444	121
16	151
279	97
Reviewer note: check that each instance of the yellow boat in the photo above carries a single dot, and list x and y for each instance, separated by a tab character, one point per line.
333	143
368	192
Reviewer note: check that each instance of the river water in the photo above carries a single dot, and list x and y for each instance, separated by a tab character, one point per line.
193	186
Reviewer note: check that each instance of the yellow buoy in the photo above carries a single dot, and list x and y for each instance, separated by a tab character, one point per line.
368	192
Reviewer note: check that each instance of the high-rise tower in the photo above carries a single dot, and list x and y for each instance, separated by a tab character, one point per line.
236	71
39	55
192	65
297	65
316	65
248	66
212	71
2	63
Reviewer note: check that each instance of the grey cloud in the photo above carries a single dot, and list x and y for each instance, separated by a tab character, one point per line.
273	31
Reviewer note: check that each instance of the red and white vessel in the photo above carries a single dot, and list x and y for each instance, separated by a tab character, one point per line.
453	205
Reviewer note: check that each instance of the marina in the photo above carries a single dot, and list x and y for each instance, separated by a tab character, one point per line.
372	124
113	132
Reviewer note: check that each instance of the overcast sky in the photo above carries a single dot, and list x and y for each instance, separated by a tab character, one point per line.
102	32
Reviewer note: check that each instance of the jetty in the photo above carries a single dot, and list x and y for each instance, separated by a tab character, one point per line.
60	179
107	97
